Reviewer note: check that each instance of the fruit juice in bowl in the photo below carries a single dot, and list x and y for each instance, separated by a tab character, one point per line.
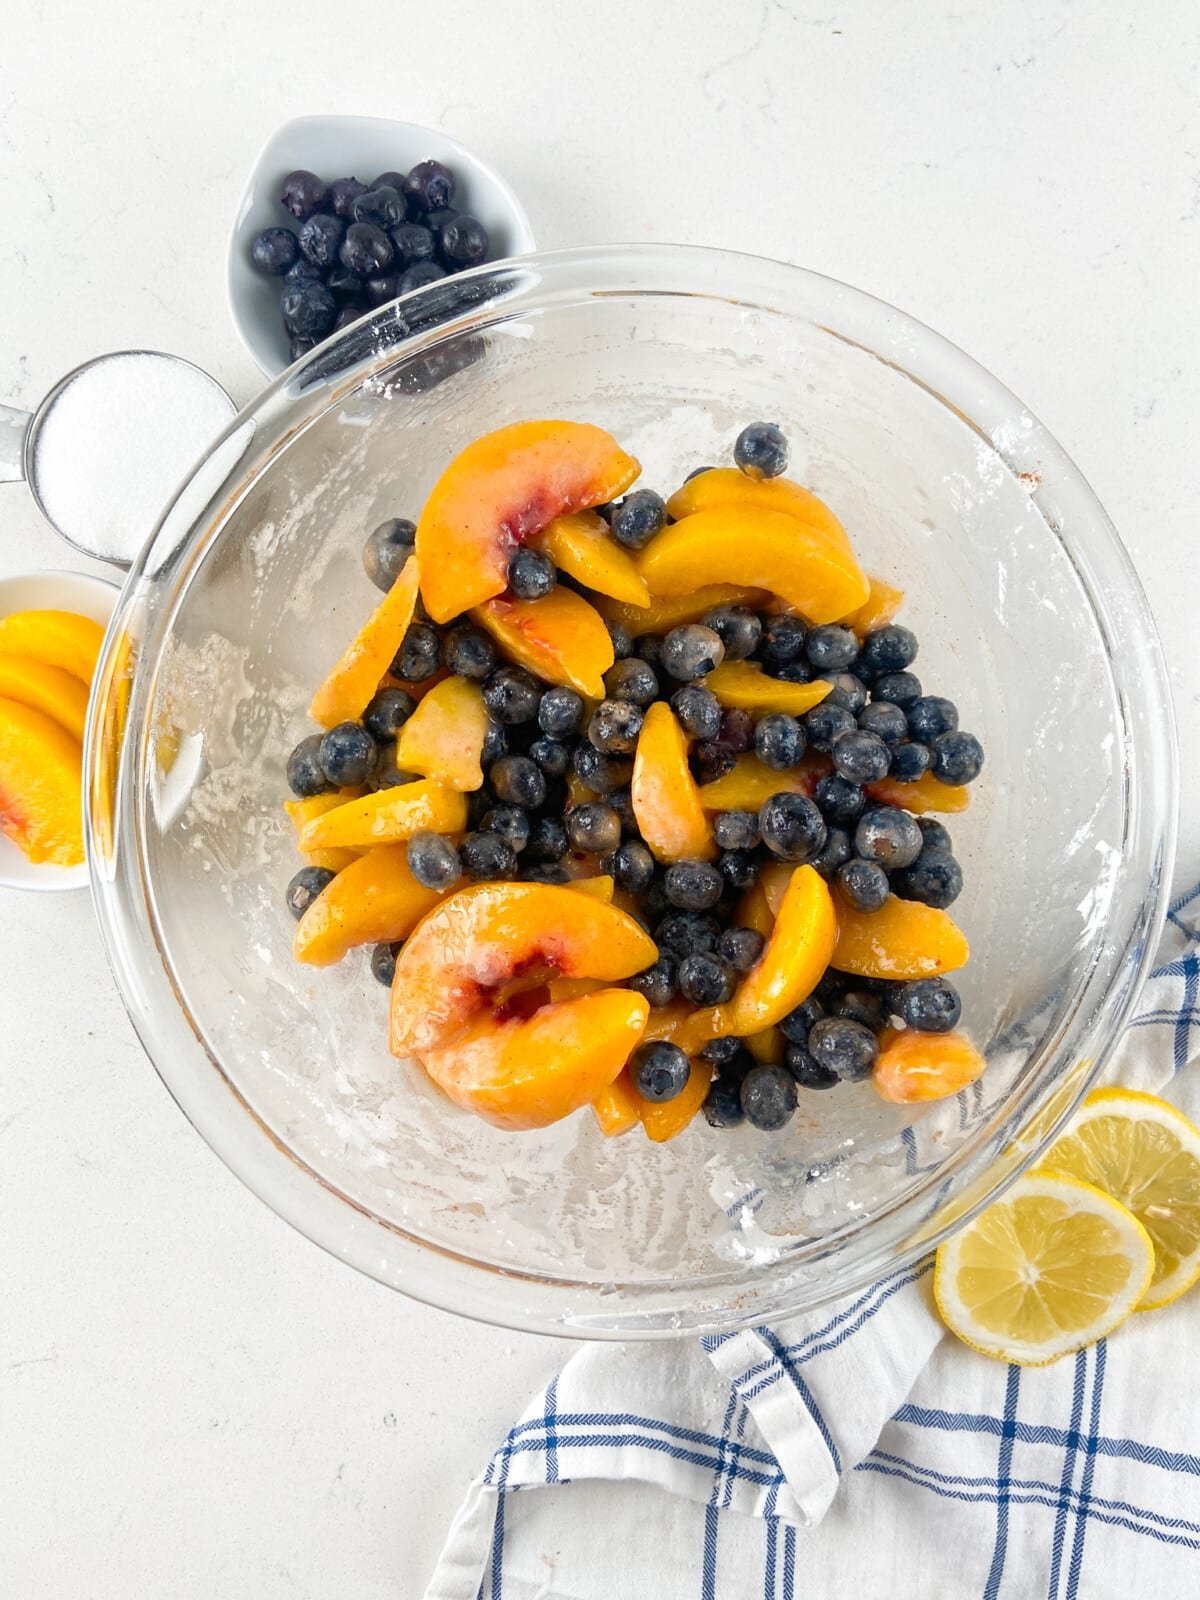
259	640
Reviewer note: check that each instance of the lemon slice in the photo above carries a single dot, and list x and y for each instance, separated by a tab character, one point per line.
1145	1154
1052	1266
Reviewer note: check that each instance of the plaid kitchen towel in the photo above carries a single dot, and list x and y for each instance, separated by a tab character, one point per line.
856	1452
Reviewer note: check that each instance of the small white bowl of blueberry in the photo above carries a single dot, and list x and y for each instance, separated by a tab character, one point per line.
343	214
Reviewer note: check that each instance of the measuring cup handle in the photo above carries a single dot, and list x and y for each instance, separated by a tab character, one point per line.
14	425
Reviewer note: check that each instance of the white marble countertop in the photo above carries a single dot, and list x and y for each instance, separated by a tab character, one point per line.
195	1402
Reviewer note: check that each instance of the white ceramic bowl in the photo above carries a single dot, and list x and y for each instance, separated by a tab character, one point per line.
51	591
349	147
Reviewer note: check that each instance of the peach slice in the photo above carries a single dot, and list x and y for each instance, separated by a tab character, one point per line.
903	939
794	961
41	785
59	638
618	1108
760	549
482	936
745	686
582	546
417	691
54	690
750	783
766	1046
662	614
666	802
443	739
375	900
560	638
356	674
922	795
664	1119
599	888
529	1072
775	879
755	912
501	491
680	1023
303	811
880	607
727	486
386	817
914	1067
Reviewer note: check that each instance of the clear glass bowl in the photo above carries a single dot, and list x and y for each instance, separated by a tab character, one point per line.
1029	616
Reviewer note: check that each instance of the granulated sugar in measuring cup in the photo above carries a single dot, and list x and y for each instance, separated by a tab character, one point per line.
110	444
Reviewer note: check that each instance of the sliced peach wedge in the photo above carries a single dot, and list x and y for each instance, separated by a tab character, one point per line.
749	783
914	1067
794	960
617	1108
666	612
443	739
759	549
880	607
501	491
357	672
60	638
922	795
582	546
374	900
302	812
746	687
664	1119
903	940
386	817
560	638
54	690
665	798
41	776
728	486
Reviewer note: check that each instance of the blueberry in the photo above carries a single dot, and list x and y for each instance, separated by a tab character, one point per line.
309	310
935	879
387	712
614	727
779	741
846	691
304	774
429	186
791	826
464	241
413	244
830	648
552	755
632	681
807	1070
418	276
660	1071
366	250
739	868
274	251
420	653
512	696
320	238
622	640
383	963
593	827
546	872
930	1004
657	982
693	885
638	518
768	1097
343	285
710	760
388	774
885	721
782	640
343	192
860	757
691	651
547	840
487	856
864	884
382	207
388	180
303	271
722	1106
888	836
705	979
381	288
724	1051
796	672
347	315
935	834
698	711
909	761
931	716
737	730
305	887
469	652
901	689
795	1026
631	866
686	933
761	451
495	743
648	646
348	754
839	800
302	193
387	549
835	852
437	219
518	781
531	575
560	713
597	771
824	722
957	757
299	347
889	649
740	947
510	822
843	1047
739	630
860	1005
736	830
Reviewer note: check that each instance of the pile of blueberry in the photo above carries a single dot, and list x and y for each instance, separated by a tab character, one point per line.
357	247
876	722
